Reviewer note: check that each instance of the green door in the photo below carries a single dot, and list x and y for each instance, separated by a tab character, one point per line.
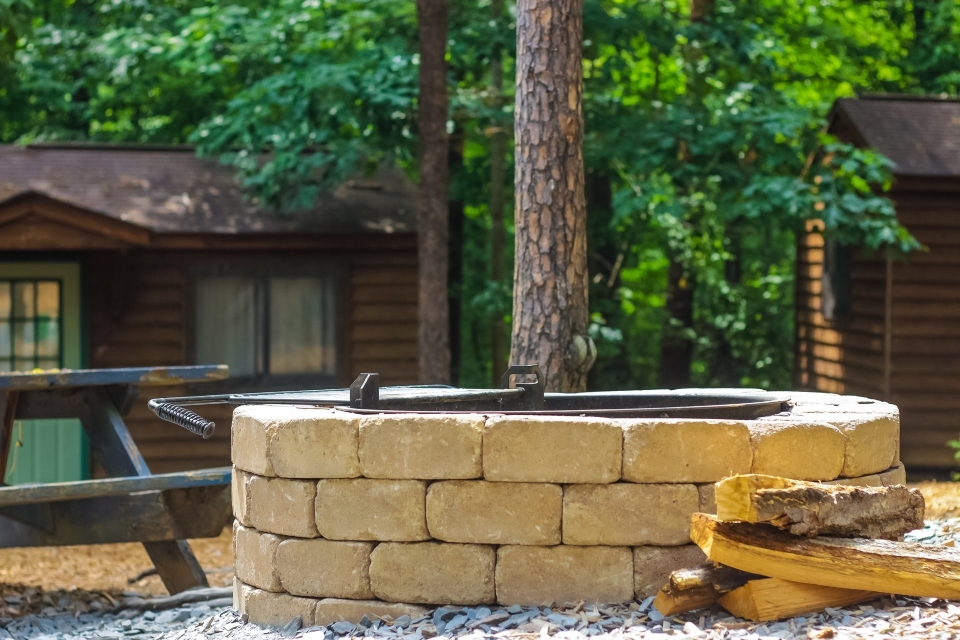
40	329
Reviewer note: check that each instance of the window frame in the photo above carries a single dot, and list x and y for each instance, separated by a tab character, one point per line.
837	276
262	271
12	319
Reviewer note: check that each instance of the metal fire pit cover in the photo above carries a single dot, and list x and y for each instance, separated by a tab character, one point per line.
525	398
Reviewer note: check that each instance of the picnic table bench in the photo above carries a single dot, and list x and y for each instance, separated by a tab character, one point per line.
132	505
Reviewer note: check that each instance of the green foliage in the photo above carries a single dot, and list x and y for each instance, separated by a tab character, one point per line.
705	140
330	86
714	131
955	445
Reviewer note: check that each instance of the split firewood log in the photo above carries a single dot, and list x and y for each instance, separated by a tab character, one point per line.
874	565
699	587
774	599
811	508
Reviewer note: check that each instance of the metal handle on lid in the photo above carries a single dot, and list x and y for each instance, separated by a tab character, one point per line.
532	399
183	418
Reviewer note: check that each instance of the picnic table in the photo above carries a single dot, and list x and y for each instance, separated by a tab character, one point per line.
131	505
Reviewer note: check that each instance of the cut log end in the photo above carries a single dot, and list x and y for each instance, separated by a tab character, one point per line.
696	588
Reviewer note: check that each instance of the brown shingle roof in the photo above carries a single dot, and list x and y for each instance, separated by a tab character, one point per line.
171	190
921	136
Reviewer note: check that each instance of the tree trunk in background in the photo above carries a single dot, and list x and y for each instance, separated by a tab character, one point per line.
455	251
728	368
676	347
550	312
432	208
498	232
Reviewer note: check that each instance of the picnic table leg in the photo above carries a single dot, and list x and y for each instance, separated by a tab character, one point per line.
118	455
8	412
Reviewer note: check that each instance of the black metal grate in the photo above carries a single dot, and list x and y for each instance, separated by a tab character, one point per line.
527	398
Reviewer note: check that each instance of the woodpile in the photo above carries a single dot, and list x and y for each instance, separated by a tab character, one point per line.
780	548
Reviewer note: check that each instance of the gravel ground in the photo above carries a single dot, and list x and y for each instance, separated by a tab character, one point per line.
96	610
85	615
885	618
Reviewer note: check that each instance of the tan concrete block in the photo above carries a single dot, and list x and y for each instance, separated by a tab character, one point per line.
315	443
368	509
480	512
238	591
248	441
282	506
255	557
325	568
419	446
653	565
685	450
872	480
798	448
276	609
552	449
240	496
805	403
894	476
333	610
871	441
563	575
708	497
296	442
628	514
433	573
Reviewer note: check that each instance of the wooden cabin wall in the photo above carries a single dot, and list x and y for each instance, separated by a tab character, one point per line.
139	314
924	359
925	364
383	336
844	355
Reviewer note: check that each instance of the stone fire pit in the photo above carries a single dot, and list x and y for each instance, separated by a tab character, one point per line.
341	514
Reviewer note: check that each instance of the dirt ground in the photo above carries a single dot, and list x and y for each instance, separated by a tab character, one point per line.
108	567
942	498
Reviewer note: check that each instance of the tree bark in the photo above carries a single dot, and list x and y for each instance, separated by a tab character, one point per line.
550	310
727	368
455	250
432	208
676	347
498	170
812	509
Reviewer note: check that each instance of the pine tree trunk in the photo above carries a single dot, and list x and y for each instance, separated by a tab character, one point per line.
676	348
432	208
550	312
455	250
498	233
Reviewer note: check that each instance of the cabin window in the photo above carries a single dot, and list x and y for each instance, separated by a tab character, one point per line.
837	281
266	325
30	325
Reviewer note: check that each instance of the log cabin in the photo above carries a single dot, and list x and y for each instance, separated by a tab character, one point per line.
122	256
890	328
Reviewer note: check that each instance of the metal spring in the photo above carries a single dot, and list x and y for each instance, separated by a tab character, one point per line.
183	418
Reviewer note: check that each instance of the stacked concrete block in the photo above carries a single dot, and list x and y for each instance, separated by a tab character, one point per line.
341	515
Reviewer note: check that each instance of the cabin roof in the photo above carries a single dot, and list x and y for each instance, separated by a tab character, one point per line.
920	134
168	189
